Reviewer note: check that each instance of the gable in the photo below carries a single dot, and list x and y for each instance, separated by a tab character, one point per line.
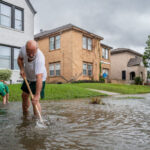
30	6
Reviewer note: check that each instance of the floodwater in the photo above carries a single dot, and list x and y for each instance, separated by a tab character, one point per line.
120	124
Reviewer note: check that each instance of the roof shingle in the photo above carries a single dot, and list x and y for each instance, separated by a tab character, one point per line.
134	61
122	50
64	28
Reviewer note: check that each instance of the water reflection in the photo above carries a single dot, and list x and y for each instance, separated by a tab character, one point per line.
29	137
122	124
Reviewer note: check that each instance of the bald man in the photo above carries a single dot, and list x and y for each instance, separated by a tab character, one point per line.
31	62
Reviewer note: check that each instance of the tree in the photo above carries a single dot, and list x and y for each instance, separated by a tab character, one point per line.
146	56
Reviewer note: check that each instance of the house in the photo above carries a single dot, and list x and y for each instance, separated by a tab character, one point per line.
16	27
71	54
126	64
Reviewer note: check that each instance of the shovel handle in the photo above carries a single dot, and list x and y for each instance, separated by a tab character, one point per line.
32	98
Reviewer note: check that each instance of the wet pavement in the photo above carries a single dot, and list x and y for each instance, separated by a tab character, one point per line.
120	124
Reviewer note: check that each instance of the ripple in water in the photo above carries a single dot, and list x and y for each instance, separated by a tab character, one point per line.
120	124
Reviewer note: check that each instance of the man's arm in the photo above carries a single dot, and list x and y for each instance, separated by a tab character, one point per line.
38	84
21	66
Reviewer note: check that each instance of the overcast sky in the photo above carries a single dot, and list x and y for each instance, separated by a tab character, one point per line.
122	23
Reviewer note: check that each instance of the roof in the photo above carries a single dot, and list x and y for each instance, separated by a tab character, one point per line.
134	61
104	45
64	28
122	50
30	6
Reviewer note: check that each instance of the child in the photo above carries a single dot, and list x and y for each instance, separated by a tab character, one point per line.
4	91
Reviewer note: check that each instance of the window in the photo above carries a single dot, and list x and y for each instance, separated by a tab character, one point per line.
105	53
84	42
55	42
8	57
18	19
123	75
11	16
57	68
54	69
87	43
16	53
51	68
5	15
5	57
87	69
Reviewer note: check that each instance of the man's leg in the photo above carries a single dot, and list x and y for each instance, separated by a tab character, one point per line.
25	103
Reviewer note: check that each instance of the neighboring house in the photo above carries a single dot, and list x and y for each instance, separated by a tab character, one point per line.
105	62
71	54
16	27
126	64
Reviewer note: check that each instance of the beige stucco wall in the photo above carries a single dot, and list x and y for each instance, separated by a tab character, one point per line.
119	63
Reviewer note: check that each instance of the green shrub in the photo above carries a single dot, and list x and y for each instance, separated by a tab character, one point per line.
85	81
101	80
138	80
5	75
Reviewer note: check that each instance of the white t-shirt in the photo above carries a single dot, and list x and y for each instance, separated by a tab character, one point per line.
37	66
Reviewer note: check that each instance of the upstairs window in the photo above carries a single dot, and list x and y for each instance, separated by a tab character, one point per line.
5	15
87	43
11	16
18	19
55	42
105	53
87	69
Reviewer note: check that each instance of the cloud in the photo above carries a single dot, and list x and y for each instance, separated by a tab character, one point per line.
121	23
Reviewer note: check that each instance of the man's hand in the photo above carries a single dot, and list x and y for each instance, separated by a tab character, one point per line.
22	73
36	99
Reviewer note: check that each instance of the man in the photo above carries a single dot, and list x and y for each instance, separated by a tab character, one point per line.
4	92
31	62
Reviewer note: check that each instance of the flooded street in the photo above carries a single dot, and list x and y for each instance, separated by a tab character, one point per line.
120	124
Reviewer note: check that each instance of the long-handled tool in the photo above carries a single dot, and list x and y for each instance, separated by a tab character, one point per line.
32	98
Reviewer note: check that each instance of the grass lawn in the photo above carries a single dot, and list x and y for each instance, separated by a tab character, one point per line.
55	92
119	88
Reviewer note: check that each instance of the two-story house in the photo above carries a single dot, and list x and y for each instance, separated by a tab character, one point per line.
126	64
72	54
16	28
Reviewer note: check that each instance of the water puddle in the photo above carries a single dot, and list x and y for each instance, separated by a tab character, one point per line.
122	123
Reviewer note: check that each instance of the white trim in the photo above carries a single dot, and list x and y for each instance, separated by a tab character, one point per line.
103	62
9	28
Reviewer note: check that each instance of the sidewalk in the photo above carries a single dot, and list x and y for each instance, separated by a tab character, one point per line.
105	92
